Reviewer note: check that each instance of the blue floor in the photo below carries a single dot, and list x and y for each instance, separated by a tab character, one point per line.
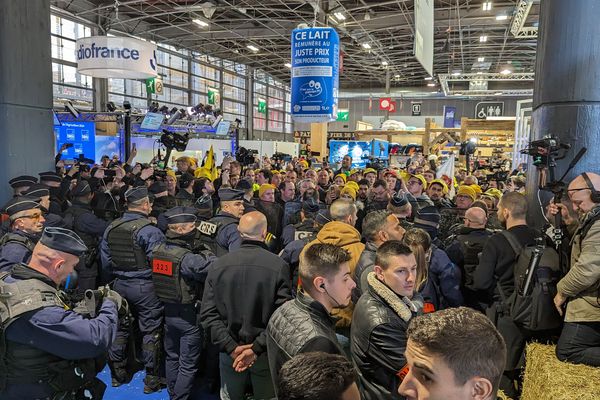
135	390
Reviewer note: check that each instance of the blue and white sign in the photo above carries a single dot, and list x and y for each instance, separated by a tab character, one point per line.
116	57
315	74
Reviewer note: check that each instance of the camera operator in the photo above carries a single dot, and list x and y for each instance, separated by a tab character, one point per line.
580	338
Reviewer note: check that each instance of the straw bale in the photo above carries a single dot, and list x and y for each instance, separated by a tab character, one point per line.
547	378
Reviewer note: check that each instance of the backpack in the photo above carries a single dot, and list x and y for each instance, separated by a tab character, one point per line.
536	273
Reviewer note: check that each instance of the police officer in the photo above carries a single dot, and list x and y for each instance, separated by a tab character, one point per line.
178	271
50	351
162	200
21	183
58	189
224	224
125	250
185	194
306	227
26	225
90	228
42	192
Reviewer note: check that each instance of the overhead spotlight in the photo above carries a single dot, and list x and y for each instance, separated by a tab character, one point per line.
397	76
366	46
428	78
288	65
200	22
506	71
457	73
175	115
479	73
487	6
480	59
110	106
339	16
384	63
431	84
72	110
253	48
483	38
127	105
498	93
501	17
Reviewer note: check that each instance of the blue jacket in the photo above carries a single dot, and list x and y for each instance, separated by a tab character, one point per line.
442	287
14	253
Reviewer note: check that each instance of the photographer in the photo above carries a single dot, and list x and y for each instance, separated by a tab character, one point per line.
580	338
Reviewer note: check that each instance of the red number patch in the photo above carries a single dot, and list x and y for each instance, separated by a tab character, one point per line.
162	267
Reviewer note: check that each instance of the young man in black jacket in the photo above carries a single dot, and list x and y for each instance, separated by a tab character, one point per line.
242	290
380	320
305	324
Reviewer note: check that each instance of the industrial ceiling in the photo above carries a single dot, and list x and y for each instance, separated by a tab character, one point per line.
480	47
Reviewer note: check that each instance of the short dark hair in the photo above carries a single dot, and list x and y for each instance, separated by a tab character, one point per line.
516	203
315	376
465	339
380	182
267	174
363	182
321	259
373	223
389	249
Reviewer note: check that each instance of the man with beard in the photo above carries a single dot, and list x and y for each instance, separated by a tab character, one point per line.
185	194
346	166
26	225
90	229
380	196
437	191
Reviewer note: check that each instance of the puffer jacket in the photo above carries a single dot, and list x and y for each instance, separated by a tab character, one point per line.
348	238
582	283
299	326
442	288
378	334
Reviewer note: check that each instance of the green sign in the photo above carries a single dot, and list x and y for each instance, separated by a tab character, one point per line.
150	85
212	96
343	116
262	106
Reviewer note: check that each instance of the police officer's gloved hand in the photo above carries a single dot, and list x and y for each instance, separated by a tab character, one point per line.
114	297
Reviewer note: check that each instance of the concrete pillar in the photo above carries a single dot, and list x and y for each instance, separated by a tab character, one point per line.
566	99
26	133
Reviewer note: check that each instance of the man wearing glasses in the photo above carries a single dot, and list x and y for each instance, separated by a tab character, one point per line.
26	225
579	289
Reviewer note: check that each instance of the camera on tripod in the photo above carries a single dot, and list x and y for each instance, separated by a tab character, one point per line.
245	156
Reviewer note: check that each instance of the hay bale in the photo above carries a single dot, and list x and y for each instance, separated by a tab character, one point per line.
502	396
547	378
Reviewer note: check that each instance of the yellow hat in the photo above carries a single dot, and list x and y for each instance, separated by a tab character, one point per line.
171	173
421	178
354	171
441	183
344	177
493	192
304	163
405	176
477	189
353	185
369	171
349	191
465	190
202	173
263	188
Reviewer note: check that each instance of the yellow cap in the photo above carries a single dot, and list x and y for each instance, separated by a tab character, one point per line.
441	183
344	177
465	190
421	178
493	192
477	189
369	171
263	188
352	184
171	173
349	191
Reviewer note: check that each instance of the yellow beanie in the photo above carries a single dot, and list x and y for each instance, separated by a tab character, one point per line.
352	185
349	191
477	189
465	190
493	192
263	188
171	173
344	177
441	183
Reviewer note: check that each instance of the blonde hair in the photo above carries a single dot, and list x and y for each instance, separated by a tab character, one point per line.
420	243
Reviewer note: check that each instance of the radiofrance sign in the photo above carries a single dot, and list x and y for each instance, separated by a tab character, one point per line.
315	74
116	57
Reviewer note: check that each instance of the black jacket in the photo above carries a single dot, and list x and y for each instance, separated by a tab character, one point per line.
301	325
365	263
242	290
378	339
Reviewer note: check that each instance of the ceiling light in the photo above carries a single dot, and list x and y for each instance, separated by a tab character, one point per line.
366	46
455	73
483	38
288	65
498	93
479	73
333	19
501	17
397	76
428	78
203	24
339	16
253	48
431	84
384	63
458	94
506	72
480	59
487	6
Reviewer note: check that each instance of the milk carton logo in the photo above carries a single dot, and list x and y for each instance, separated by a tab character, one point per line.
311	89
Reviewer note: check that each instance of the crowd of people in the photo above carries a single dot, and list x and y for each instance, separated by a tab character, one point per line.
283	280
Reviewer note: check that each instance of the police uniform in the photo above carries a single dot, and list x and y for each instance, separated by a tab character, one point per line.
40	190
90	228
163	203
304	228
21	183
50	351
16	246
125	250
226	236
178	271
57	194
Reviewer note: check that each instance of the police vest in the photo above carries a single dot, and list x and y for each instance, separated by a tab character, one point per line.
471	246
12	237
169	285
125	252
23	364
72	216
209	230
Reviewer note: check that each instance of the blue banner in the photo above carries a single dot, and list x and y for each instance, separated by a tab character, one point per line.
81	134
315	74
449	115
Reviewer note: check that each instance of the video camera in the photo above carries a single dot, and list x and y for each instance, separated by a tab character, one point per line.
245	156
544	151
175	140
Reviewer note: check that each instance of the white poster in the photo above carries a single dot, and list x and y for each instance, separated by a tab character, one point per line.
116	57
424	34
